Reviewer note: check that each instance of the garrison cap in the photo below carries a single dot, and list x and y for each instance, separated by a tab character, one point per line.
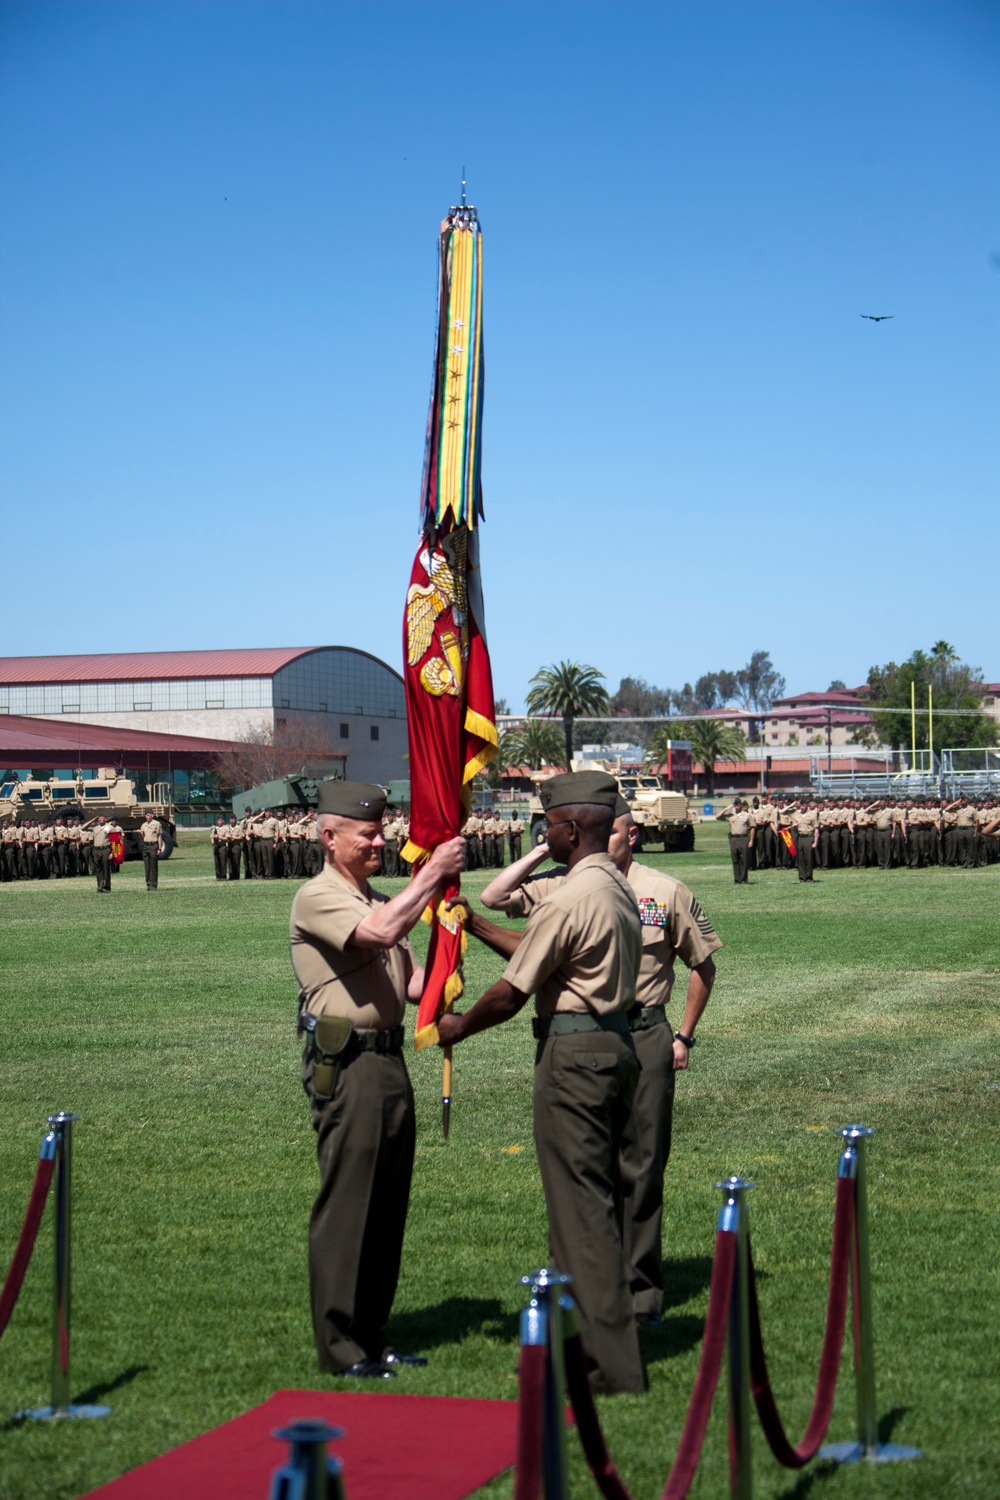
572	787
361	800
621	806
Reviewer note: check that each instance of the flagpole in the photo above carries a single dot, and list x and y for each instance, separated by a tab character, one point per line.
446	1091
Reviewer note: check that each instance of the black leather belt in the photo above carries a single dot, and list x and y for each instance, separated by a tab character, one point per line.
641	1017
561	1025
388	1040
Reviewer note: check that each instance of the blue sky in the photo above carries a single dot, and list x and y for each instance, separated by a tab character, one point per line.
217	281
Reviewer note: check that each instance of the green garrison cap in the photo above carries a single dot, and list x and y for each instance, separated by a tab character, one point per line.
573	787
352	799
621	806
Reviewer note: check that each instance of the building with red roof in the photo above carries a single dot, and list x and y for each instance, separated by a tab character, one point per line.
209	698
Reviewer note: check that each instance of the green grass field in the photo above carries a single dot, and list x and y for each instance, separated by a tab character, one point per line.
167	1022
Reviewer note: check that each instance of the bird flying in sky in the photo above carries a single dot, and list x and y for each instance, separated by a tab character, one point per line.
878	317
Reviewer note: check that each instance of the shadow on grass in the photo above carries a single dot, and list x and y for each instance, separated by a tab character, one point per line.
452	1321
684	1279
670	1338
92	1396
825	1468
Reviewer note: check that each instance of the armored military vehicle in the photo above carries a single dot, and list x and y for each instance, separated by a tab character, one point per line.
299	792
660	814
109	792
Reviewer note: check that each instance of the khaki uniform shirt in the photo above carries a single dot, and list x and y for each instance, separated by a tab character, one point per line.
739	822
47	835
366	985
234	832
60	833
502	826
10	833
101	835
266	828
516	826
489	827
884	819
151	832
86	835
965	817
474	825
312	830
583	944
30	835
672	922
805	822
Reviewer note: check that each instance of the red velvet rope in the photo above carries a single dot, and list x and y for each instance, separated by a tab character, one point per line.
833	1343
588	1424
709	1365
26	1241
531	1404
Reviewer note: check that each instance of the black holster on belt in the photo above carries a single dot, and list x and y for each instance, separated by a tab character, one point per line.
328	1038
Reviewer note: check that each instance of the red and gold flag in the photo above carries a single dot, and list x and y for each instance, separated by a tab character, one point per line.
787	840
449	689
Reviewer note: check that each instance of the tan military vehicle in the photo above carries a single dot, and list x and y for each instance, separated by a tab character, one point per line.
86	797
662	816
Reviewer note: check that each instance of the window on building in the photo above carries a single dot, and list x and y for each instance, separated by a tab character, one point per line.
137	707
209	703
71	708
374	731
345	731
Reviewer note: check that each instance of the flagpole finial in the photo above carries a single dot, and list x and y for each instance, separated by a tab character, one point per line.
464	204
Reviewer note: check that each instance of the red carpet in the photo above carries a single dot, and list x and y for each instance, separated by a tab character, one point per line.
420	1447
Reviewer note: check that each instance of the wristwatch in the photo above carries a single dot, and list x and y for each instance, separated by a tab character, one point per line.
689	1041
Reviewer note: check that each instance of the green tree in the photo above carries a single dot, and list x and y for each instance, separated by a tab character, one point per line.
758	684
711	741
569	690
535	743
956	686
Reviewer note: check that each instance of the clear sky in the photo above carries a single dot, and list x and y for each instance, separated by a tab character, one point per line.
217	298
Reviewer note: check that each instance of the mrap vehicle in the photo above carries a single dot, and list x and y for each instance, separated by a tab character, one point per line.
108	791
661	815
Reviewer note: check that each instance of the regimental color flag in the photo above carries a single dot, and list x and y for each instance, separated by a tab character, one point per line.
449	689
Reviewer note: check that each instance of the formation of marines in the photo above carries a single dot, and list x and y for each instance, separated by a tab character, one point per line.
489	836
59	848
264	845
849	833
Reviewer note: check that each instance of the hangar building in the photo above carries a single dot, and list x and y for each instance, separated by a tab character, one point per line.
355	698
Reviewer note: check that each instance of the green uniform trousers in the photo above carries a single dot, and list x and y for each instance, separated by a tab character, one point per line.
365	1143
804	855
583	1090
739	853
643	1161
102	867
151	864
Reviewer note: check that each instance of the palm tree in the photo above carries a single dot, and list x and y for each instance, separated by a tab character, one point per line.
711	740
535	743
569	689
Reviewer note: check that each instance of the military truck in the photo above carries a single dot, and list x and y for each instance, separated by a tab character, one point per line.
662	816
109	792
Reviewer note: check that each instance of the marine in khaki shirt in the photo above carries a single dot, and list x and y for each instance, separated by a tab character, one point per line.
579	956
353	961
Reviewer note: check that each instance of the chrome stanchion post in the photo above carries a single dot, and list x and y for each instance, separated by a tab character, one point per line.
310	1473
853	1165
733	1217
62	1216
546	1321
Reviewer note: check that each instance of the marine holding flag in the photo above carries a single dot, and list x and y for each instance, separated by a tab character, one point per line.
449	689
